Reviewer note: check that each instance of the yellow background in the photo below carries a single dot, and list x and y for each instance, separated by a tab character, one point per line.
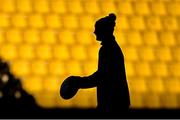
46	41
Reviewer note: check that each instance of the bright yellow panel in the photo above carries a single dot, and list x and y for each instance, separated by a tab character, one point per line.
156	85
66	37
53	21
92	52
168	39
73	67
21	68
123	22
108	7
70	21
136	100
84	37
8	6
91	4
90	67
159	8
43	52
143	69
39	68
142	8
8	52
175	53
120	38
174	8
75	6
134	38
14	36
36	21
170	101
2	36
33	84
160	69
175	68
60	52
56	68
31	36
88	22
154	23
58	6
19	20
26	52
24	6
125	8
41	6
164	54
172	85
150	38
46	99
152	98
137	23
138	85
147	54
130	72
78	53
48	36
51	84
5	22
130	53
171	23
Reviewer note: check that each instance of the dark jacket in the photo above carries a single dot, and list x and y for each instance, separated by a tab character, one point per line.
110	78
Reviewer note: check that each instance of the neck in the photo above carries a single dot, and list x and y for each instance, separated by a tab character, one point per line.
108	40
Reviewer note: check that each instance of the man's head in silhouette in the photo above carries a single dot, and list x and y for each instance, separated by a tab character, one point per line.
104	27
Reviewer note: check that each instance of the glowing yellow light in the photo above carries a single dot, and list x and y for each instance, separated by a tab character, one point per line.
5	78
17	94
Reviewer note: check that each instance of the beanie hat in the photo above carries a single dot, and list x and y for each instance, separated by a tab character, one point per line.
106	23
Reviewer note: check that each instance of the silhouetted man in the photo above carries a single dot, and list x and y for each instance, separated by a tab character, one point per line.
110	78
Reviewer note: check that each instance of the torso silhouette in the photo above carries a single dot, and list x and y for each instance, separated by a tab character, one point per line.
110	78
112	92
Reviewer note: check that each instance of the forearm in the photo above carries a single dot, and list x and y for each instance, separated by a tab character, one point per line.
89	81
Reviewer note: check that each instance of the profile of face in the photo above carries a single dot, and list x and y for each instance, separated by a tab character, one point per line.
104	27
103	34
99	35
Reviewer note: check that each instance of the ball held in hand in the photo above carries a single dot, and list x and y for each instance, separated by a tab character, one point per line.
69	87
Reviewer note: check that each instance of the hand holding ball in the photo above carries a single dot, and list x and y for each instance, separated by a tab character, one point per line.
69	87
